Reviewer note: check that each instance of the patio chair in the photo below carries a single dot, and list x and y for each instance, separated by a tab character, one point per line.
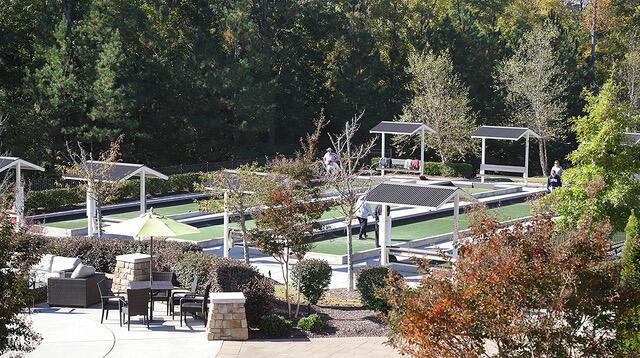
110	301
195	305
137	304
162	296
178	294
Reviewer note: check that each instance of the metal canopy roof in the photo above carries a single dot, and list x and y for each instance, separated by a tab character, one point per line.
632	138
10	162
406	128
506	133
117	171
402	194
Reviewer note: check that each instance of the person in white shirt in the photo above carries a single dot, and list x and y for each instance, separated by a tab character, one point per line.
557	168
362	213
329	160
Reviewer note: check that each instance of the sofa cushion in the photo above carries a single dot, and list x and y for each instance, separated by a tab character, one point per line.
44	264
83	271
60	263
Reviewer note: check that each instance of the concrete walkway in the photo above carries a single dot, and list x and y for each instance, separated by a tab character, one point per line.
77	332
352	347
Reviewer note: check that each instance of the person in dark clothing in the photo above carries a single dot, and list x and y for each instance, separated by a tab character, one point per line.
554	181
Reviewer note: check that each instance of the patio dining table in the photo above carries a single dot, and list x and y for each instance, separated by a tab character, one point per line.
154	286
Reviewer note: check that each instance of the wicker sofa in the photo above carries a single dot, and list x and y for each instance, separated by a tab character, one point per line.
74	292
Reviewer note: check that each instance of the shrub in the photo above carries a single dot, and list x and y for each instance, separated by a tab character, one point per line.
441	169
312	277
101	252
54	198
227	275
275	326
630	274
371	281
311	323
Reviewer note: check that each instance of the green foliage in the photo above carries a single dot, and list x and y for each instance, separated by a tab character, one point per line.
274	325
227	275
630	274
455	170
371	283
101	252
311	277
59	198
19	252
311	323
601	181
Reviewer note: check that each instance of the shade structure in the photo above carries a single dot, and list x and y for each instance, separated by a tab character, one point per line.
631	138
148	226
7	163
402	128
114	172
504	133
414	195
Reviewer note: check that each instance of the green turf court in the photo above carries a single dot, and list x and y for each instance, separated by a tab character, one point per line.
476	190
167	210
217	231
417	230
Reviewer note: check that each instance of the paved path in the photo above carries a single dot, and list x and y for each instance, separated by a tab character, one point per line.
77	332
353	347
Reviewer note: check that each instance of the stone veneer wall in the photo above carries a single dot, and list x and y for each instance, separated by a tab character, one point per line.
227	318
134	267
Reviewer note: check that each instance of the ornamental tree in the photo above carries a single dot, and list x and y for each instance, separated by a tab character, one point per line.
527	290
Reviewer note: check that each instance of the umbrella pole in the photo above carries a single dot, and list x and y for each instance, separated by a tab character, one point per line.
151	261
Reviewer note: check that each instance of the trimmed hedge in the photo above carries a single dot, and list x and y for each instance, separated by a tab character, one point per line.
455	170
228	275
101	252
51	199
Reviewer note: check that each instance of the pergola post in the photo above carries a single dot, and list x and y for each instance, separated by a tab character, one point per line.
384	235
422	152
525	175
456	224
91	213
143	194
382	155
226	243
19	197
482	160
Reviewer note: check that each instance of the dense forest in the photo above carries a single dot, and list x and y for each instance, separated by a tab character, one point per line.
210	80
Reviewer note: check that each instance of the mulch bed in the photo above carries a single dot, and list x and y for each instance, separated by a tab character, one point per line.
340	320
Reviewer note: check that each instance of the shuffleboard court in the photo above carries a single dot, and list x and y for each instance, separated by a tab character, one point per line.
417	230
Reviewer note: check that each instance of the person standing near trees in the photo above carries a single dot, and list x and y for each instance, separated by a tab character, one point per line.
557	168
363	214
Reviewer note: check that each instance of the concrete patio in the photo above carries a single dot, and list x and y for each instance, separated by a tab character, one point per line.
77	332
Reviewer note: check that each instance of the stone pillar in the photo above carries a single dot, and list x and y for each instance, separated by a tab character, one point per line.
131	267
227	317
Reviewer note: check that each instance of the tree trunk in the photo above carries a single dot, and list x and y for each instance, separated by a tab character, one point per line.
285	274
542	149
245	243
350	256
99	217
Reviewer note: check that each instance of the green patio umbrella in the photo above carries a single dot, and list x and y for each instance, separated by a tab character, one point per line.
149	225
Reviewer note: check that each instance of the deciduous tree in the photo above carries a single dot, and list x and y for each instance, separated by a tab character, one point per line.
535	87
441	101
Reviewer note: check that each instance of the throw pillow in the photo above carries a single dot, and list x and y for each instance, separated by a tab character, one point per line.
83	271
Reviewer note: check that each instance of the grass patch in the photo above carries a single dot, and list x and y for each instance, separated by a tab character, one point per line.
69	224
417	230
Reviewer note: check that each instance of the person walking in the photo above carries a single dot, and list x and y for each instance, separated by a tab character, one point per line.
362	214
557	168
554	181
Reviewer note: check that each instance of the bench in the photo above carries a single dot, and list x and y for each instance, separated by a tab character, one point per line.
503	169
395	162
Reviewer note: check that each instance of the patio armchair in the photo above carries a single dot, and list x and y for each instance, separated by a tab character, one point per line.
73	292
137	304
178	294
110	301
195	305
162	296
